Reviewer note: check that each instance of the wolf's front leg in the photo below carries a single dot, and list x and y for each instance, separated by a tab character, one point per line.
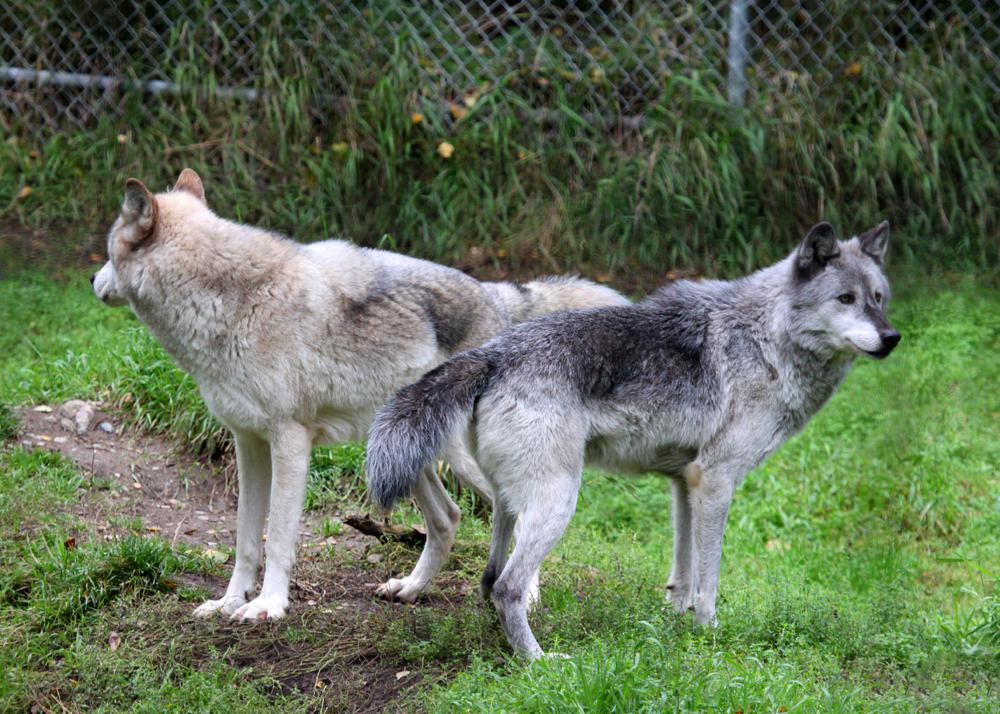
711	491
253	467
290	447
679	584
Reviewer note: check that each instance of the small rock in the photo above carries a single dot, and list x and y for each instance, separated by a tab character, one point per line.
83	417
71	407
107	427
67	424
59	440
374	557
43	408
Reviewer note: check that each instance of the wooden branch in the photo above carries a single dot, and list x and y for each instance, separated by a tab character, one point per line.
386	532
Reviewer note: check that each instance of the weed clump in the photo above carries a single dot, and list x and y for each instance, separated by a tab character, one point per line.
9	425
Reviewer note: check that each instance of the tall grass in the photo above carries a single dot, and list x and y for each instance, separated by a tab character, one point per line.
559	185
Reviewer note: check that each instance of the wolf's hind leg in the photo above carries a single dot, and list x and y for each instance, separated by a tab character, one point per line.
547	511
679	584
253	467
503	526
534	591
442	516
290	449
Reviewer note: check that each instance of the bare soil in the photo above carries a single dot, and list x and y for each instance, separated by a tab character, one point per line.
193	501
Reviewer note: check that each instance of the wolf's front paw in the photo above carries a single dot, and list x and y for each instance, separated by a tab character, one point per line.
679	596
261	608
705	617
400	589
227	605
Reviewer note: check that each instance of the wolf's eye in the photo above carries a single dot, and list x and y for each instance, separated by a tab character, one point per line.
846	298
878	297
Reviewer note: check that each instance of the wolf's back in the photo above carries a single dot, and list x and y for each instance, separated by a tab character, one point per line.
412	427
539	297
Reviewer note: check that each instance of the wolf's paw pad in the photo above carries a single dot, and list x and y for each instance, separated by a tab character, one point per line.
260	609
399	589
225	605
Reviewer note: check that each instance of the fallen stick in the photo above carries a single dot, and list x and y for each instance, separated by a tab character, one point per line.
386	532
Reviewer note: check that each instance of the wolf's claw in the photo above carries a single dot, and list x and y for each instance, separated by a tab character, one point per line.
259	609
225	605
400	589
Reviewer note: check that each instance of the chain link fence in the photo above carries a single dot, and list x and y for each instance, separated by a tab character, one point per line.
73	63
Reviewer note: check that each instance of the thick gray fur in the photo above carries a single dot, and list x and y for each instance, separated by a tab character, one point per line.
700	382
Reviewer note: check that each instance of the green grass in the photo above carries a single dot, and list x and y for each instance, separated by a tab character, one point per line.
61	588
860	572
535	180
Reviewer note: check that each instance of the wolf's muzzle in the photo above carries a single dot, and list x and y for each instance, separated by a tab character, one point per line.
889	341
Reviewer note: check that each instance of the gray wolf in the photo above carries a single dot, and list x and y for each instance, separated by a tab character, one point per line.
294	345
700	382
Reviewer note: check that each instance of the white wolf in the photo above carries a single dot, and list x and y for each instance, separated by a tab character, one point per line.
294	345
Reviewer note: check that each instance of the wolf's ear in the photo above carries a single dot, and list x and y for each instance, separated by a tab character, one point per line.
875	242
190	181
139	210
817	249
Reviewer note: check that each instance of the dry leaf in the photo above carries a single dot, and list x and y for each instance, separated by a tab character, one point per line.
853	69
69	543
402	673
114	641
416	117
340	147
122	139
456	110
24	192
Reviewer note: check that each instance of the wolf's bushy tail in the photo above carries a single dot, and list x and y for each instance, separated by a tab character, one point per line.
412	427
556	293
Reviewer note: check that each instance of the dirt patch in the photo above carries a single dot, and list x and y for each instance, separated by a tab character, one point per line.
50	248
327	647
182	498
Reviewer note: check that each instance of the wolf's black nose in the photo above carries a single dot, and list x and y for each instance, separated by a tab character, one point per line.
93	278
890	340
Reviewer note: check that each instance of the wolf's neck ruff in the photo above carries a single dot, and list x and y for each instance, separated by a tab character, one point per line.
202	293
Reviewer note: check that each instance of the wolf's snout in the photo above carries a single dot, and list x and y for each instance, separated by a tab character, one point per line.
93	277
889	340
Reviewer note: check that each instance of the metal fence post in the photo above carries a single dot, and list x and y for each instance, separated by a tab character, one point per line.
737	52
